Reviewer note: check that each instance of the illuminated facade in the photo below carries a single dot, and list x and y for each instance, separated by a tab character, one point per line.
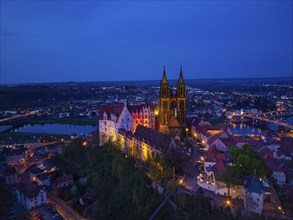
172	105
143	115
145	142
111	119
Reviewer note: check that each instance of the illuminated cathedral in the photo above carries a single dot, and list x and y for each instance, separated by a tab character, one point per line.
172	108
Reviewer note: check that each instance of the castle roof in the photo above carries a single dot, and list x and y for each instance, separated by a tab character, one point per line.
111	109
29	189
253	184
154	138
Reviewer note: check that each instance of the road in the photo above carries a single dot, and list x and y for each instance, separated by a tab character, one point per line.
65	211
19	116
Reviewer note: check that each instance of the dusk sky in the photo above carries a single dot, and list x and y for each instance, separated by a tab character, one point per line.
55	41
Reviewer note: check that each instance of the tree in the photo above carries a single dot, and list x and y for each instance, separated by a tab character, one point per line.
246	160
231	177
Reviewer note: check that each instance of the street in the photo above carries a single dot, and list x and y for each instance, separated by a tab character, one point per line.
65	211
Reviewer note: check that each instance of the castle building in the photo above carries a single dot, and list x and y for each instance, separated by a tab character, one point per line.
111	119
143	114
172	105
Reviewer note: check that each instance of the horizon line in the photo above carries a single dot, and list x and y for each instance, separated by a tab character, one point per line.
143	80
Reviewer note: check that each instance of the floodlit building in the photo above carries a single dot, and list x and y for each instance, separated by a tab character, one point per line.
111	119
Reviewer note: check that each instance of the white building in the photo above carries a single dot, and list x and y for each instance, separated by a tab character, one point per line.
30	195
254	194
111	119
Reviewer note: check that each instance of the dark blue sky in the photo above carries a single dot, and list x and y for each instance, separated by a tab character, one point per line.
51	41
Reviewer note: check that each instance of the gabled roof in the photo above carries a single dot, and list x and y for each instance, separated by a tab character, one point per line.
139	108
64	178
253	184
36	170
153	137
111	109
43	176
212	155
29	189
219	168
273	165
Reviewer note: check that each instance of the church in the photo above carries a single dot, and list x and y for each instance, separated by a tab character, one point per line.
172	108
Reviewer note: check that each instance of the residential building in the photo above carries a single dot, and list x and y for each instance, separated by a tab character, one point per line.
30	195
63	181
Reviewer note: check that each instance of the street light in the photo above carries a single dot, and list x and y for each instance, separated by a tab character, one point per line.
228	202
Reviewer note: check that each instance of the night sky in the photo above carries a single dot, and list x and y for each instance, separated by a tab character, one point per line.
55	41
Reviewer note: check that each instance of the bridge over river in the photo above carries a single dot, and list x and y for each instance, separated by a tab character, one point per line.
254	117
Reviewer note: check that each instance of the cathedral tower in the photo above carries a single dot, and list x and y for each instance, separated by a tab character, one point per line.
181	100
172	105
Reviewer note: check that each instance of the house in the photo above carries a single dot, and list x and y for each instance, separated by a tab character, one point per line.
285	151
254	194
56	148
213	155
87	198
63	181
276	170
30	195
10	175
16	156
111	119
33	172
43	179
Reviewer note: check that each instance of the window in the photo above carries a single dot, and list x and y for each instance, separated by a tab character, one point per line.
105	123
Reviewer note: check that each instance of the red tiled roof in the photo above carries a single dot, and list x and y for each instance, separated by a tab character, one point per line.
266	152
219	168
212	155
273	165
64	178
111	109
29	189
229	141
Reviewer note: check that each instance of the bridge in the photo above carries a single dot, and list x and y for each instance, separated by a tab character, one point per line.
266	120
19	116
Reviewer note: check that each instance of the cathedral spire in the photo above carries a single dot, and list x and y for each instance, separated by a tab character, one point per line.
164	79
181	75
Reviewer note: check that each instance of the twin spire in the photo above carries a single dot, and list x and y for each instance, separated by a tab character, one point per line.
164	78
